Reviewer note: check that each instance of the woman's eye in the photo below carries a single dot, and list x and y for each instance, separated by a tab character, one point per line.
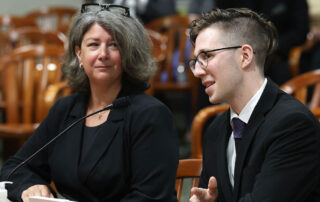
93	44
113	45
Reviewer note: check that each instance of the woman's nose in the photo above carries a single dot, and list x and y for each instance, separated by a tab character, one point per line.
103	52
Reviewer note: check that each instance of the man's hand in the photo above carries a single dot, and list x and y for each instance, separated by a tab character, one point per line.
36	190
205	195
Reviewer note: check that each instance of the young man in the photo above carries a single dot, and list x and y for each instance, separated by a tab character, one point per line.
267	146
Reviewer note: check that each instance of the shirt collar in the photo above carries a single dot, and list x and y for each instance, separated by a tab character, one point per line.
248	109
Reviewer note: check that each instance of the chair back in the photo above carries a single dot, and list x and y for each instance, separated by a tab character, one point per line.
296	52
159	48
8	22
53	18
27	35
299	85
27	71
198	124
159	42
316	112
5	43
173	72
188	168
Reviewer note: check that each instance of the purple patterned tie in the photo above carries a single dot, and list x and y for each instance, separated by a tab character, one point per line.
238	127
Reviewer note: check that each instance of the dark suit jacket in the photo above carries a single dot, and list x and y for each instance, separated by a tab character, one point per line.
280	153
133	158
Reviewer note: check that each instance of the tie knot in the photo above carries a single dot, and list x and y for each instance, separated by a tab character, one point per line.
238	127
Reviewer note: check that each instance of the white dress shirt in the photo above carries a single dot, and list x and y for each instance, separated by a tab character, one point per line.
244	116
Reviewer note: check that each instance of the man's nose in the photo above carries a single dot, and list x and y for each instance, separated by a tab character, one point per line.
198	71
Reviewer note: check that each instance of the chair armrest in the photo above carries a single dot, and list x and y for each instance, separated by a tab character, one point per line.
17	130
53	92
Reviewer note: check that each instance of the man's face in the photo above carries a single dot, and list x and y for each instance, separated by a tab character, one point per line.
222	75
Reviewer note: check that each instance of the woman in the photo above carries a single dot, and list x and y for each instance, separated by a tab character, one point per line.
126	154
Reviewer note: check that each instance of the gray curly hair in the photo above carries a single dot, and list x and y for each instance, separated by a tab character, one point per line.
134	45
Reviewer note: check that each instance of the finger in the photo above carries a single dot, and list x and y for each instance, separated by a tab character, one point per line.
25	198
194	198
199	192
193	190
212	186
45	191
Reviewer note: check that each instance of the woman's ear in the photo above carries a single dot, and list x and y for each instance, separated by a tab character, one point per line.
247	55
78	53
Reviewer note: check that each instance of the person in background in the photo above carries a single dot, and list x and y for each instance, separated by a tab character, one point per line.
266	147
128	153
148	10
199	6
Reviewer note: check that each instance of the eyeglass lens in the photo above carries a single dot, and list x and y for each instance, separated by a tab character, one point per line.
202	60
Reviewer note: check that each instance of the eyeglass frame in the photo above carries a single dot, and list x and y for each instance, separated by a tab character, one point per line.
194	61
105	7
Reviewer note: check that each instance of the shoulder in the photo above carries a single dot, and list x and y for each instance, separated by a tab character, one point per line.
65	104
287	108
147	110
144	102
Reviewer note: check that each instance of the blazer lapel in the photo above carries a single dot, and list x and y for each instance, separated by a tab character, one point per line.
223	175
73	136
263	106
104	138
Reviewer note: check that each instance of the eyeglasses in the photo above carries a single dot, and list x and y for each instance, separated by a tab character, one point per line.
203	57
94	7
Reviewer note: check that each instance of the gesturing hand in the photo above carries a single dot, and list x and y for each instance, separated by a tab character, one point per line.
205	195
36	190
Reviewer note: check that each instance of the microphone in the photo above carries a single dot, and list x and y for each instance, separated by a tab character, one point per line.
118	103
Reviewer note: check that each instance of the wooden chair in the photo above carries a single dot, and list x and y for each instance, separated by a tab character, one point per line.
188	168
27	72
53	18
296	52
298	87
159	42
5	44
26	35
316	112
198	123
8	22
174	28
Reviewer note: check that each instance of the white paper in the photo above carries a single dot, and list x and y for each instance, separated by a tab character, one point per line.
46	199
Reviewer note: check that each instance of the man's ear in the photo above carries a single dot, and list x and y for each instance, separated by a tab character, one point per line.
247	55
78	52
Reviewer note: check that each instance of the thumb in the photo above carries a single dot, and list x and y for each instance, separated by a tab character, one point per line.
199	192
212	186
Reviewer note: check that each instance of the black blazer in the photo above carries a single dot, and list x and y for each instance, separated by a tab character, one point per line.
133	158
280	153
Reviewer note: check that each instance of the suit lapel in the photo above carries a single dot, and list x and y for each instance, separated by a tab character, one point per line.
223	175
263	106
73	136
102	143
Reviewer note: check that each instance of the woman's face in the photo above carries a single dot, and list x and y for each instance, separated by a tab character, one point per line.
100	56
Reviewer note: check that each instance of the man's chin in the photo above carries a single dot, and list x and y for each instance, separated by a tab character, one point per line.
214	100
